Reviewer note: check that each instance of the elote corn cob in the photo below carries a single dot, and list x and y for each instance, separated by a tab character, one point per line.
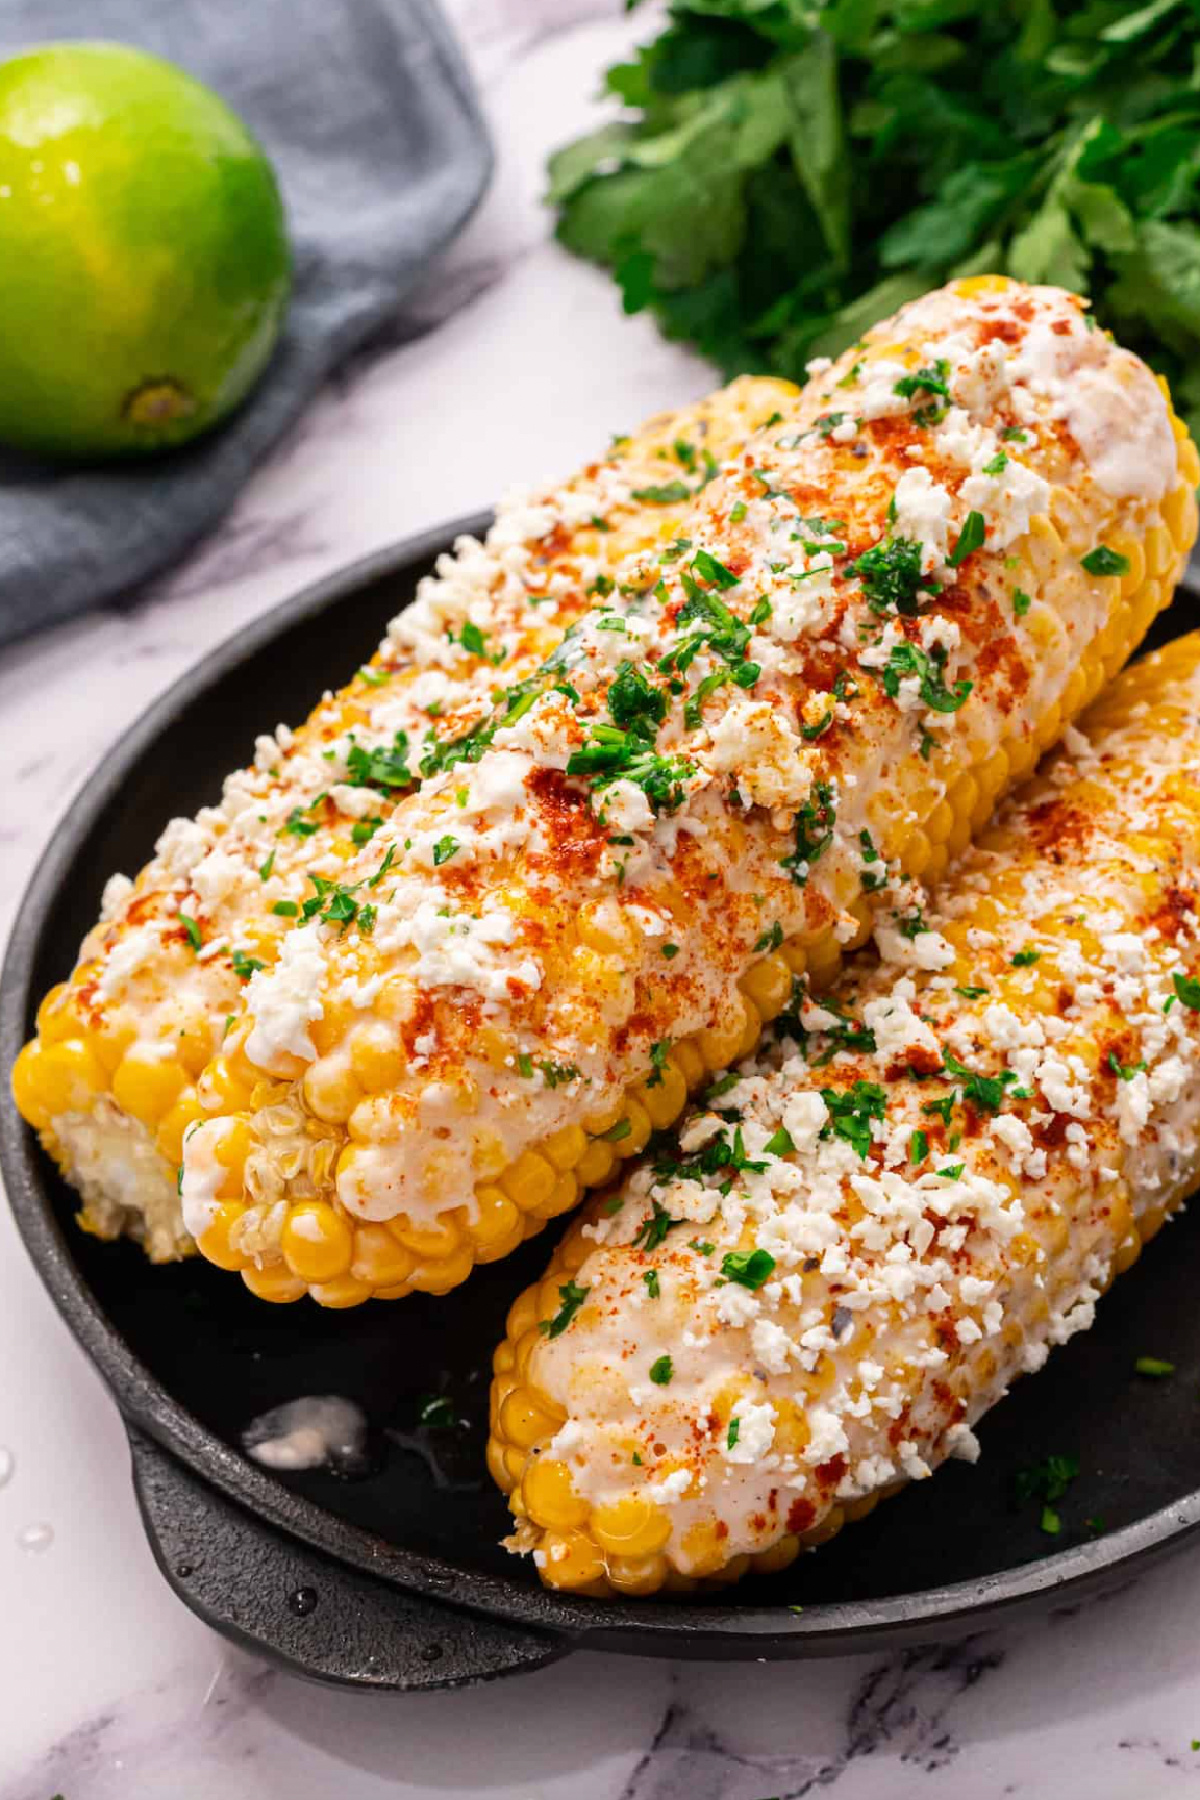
868	624
110	1079
851	1248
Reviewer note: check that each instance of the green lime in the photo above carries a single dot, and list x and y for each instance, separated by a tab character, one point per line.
144	250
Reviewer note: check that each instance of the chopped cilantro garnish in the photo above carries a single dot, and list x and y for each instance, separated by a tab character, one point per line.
654	1230
572	1297
911	924
779	1143
285	909
951	1172
192	931
658	1062
670	951
731	1436
472	639
709	569
971	993
363	830
617	1132
1187	989
1025	959
553	1074
264	869
665	494
385	768
985	1091
435	1412
1103	561
1021	602
770	940
918	1147
444	849
701	1246
814	833
374	677
635	703
929	380
1154	1367
1012	434
749	1268
737	512
909	659
525	1064
851	1113
969	539
997	465
296	825
662	1370
891	577
1047	1481
650	1277
244	966
1124	1071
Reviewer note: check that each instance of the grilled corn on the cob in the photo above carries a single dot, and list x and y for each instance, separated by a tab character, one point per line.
110	1080
853	1247
867	625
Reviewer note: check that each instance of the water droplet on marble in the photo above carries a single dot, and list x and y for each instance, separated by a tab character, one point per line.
36	1537
8	1463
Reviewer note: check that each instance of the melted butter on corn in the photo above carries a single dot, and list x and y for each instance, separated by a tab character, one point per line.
865	627
111	1079
846	1256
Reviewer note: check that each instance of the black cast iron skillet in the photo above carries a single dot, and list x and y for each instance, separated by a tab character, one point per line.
396	1579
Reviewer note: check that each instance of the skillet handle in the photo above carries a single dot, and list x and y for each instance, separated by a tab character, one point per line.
276	1597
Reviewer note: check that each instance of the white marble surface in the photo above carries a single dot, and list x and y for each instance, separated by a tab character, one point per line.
108	1688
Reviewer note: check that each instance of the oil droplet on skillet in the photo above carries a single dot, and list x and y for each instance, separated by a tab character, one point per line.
303	1601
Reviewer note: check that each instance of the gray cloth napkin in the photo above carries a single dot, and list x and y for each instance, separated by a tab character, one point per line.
366	109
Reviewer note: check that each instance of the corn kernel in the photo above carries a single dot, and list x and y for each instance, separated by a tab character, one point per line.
49	1080
343	1292
214	1241
632	1526
438	1277
276	1284
529	1181
524	1423
435	1238
496	1228
376	1057
317	1242
550	1497
570	1560
638	1135
636	1575
596	1164
330	1090
172	1126
768	985
564	1148
378	1259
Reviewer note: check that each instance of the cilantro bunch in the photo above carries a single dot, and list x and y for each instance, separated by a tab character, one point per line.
788	171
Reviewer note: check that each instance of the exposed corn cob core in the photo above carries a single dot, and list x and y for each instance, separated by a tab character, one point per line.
868	624
837	1265
110	1080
